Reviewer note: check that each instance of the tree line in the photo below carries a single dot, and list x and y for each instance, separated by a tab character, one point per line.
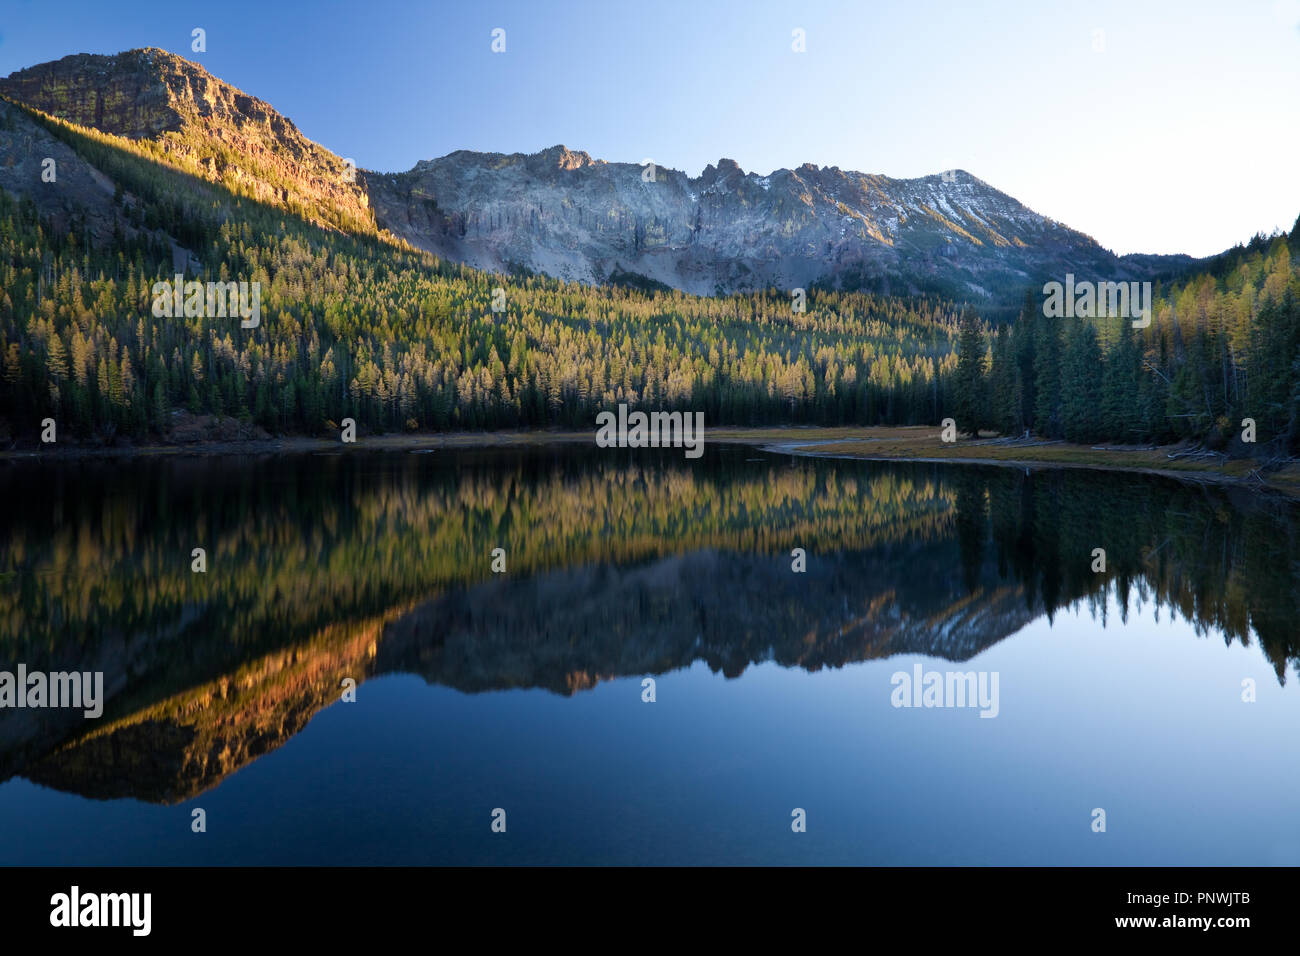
1221	354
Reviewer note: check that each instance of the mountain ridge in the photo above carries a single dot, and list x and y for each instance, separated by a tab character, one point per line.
561	212
564	213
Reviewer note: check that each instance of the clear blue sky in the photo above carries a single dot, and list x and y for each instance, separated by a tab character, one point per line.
1181	134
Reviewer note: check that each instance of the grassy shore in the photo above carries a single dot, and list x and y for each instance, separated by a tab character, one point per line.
923	444
918	443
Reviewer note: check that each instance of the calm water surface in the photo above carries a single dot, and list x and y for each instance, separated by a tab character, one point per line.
774	690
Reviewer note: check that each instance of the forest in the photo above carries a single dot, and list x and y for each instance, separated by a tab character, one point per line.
1222	351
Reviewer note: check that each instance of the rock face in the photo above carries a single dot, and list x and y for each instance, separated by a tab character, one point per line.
130	94
561	212
201	124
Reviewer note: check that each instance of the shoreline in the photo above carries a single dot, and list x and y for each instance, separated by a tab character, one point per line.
1207	475
914	443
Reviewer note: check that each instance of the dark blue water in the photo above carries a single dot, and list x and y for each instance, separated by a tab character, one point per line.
1120	690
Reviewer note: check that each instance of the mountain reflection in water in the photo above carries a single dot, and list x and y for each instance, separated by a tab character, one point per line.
620	564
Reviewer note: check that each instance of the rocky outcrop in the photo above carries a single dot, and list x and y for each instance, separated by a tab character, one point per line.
130	94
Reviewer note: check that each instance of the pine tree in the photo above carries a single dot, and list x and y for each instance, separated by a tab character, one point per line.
1004	385
1121	382
970	405
1047	378
1025	341
1081	383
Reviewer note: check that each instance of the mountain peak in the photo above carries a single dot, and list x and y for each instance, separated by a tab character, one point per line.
139	93
203	125
725	170
564	158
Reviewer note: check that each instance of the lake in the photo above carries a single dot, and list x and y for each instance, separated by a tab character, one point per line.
749	658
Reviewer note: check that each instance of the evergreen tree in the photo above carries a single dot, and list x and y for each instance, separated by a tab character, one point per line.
1047	378
1026	336
1120	389
1004	384
1081	383
970	405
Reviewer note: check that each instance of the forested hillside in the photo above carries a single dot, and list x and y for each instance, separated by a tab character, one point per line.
367	327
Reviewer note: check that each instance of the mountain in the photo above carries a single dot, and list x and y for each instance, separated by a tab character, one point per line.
187	118
84	195
565	214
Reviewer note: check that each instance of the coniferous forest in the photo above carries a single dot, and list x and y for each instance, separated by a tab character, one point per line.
1223	347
